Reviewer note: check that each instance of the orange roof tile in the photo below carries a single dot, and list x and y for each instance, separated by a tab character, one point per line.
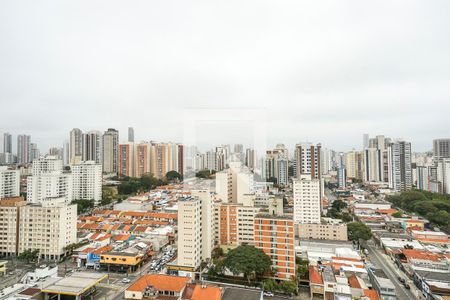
372	294
314	275
105	237
208	292
387	211
103	249
122	237
354	282
421	254
160	283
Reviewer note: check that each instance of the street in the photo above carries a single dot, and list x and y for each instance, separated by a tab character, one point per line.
383	262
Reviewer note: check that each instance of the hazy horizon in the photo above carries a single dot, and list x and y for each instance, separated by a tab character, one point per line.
321	72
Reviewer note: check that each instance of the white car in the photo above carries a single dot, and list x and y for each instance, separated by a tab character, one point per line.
268	294
126	280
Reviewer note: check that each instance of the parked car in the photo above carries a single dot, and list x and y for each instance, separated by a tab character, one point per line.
406	286
268	294
401	280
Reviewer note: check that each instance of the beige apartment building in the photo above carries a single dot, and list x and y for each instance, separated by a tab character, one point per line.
195	229
49	227
323	231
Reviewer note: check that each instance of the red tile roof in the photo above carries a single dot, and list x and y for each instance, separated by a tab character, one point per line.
160	283
314	275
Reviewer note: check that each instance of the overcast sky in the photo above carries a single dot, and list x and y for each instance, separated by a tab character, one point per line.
319	71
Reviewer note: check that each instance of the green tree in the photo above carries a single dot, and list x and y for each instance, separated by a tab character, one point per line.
83	205
288	287
397	214
302	267
173	175
358	230
339	205
248	260
29	255
203	174
269	285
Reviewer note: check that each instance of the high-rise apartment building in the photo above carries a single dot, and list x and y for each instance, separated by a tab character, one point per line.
7	143
165	157
307	160
373	165
9	183
66	153
142	160
233	183
34	152
195	229
443	175
234	224
111	151
274	234
399	161
23	149
48	181
354	163
47	227
365	141
49	164
423	178
92	147
250	158
276	164
130	135
87	181
441	148
126	159
307	200
75	146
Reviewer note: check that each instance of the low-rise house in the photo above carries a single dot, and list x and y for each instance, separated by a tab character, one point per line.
155	286
382	284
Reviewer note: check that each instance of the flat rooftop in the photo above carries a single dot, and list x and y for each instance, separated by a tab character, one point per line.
232	293
75	284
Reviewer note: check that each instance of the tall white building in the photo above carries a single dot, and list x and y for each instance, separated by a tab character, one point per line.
423	178
75	146
233	183
111	151
307	197
87	181
307	160
195	229
443	175
373	168
399	162
9	183
48	181
46	165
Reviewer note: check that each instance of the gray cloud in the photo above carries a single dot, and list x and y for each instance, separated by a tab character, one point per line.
324	72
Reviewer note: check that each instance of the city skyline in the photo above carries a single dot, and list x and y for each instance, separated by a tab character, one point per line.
44	146
317	75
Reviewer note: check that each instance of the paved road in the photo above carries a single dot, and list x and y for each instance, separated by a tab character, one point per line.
391	271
